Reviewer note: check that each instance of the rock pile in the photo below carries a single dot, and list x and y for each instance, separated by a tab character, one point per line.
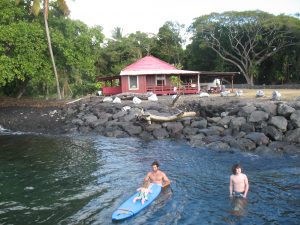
261	127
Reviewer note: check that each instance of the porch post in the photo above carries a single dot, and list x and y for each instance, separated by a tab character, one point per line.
198	83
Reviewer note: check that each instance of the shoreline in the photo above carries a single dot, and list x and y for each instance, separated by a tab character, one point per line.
222	123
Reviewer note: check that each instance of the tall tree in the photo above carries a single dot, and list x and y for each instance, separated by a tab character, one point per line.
143	42
36	10
244	39
169	42
117	33
22	49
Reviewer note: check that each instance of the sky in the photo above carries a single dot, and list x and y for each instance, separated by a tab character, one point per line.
149	15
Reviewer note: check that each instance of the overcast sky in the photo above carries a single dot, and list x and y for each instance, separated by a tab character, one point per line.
149	15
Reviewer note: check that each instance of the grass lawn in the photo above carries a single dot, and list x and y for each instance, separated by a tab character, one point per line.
286	94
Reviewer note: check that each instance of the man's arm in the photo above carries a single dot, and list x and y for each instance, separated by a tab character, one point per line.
166	181
246	186
147	177
230	186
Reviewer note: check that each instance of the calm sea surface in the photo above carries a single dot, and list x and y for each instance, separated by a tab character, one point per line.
82	180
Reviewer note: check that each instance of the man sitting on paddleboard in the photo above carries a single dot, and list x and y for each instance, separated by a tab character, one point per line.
157	176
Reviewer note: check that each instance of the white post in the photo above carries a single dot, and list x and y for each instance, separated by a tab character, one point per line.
198	83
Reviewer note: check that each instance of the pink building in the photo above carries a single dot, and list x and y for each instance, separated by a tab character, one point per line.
150	74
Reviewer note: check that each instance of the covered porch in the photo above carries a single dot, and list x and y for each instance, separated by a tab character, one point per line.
110	85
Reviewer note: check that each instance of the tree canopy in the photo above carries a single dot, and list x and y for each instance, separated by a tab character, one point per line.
263	47
245	39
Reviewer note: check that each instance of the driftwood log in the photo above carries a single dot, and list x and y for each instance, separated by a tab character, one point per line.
154	118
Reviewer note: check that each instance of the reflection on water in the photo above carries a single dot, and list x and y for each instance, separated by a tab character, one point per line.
82	180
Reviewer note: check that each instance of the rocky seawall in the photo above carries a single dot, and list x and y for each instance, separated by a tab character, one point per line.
222	123
256	126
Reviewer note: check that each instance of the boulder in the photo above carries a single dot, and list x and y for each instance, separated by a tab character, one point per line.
173	127
279	121
214	130
258	116
213	119
268	107
295	118
113	132
273	133
236	122
160	133
278	145
78	122
224	122
188	131
243	144
218	145
258	138
132	129
285	110
146	136
247	127
246	110
119	114
129	117
293	136
264	150
212	138
152	127
90	119
199	124
197	140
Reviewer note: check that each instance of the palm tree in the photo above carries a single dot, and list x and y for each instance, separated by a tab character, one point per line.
117	33
36	10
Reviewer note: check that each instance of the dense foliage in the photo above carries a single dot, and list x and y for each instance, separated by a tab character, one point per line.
263	47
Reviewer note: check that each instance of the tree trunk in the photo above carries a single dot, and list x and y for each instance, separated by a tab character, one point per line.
249	79
47	92
176	99
22	89
46	5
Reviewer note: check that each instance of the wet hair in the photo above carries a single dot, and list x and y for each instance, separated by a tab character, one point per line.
146	184
234	167
155	163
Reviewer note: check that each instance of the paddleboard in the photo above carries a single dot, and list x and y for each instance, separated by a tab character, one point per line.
128	208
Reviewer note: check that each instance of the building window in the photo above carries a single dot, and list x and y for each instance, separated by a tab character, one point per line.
160	80
133	83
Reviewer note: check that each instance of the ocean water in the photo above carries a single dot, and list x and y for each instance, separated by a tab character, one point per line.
83	179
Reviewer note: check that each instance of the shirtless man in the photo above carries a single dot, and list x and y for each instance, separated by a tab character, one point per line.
157	176
238	182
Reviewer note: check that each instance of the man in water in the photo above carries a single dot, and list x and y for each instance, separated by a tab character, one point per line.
157	176
238	183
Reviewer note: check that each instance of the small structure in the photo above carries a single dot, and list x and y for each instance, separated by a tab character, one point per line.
150	74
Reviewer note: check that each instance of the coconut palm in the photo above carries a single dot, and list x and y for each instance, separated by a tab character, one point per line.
36	10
